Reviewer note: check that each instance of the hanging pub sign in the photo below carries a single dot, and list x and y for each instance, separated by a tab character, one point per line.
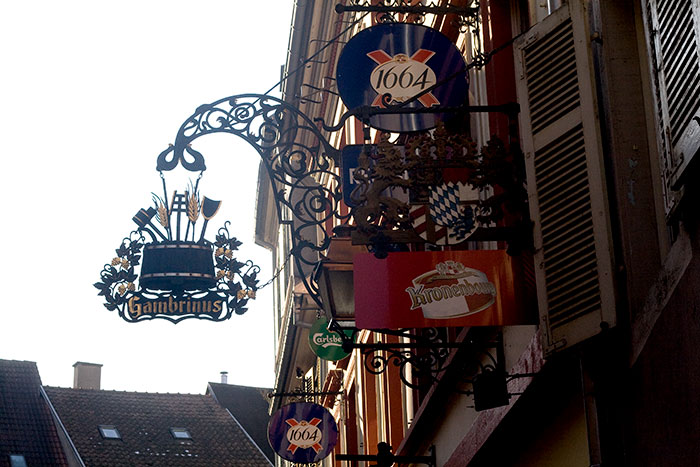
439	288
327	344
391	64
168	269
432	189
302	432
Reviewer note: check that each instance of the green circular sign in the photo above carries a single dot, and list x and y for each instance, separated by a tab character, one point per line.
327	344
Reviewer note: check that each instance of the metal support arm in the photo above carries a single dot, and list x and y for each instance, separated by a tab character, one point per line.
423	360
385	458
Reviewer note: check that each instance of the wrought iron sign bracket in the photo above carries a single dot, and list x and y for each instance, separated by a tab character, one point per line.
364	112
297	156
428	357
266	122
406	8
300	395
467	16
272	395
386	458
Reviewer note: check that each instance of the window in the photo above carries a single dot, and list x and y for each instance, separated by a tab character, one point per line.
17	460
537	10
180	433
109	432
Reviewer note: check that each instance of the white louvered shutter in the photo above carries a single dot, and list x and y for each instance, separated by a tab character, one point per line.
566	180
673	37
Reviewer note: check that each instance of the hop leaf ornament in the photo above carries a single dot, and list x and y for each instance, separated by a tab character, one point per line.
246	293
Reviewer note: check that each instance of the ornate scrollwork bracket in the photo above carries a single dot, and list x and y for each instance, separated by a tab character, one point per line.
300	395
424	357
299	161
386	458
439	188
386	10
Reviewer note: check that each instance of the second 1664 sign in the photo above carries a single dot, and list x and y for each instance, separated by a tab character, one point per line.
302	432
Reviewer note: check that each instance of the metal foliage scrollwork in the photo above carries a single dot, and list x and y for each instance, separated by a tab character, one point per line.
119	277
420	361
384	194
391	11
298	159
229	269
425	358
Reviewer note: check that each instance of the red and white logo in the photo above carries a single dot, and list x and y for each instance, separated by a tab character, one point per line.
451	290
402	77
304	434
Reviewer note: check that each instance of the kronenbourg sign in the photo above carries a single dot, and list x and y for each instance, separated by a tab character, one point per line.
390	64
302	432
327	344
441	288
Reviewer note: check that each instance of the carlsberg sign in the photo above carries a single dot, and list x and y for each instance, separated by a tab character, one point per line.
326	344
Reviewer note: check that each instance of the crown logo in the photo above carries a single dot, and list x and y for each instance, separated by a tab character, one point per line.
450	268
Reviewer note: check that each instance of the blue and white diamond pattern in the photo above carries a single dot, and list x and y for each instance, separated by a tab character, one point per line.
459	195
444	204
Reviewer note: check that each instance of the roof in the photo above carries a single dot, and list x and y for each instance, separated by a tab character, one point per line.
26	424
144	421
250	407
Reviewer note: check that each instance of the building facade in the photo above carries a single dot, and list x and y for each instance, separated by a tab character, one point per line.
609	127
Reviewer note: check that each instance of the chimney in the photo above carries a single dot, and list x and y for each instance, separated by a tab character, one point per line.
224	377
86	375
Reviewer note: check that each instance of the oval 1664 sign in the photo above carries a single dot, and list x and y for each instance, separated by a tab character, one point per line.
302	432
395	62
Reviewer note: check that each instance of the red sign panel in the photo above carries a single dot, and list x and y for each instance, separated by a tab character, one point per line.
442	288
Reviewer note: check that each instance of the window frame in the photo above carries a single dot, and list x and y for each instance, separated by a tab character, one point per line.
103	431
17	460
174	430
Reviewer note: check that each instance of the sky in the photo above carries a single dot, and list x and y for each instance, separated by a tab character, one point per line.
90	93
